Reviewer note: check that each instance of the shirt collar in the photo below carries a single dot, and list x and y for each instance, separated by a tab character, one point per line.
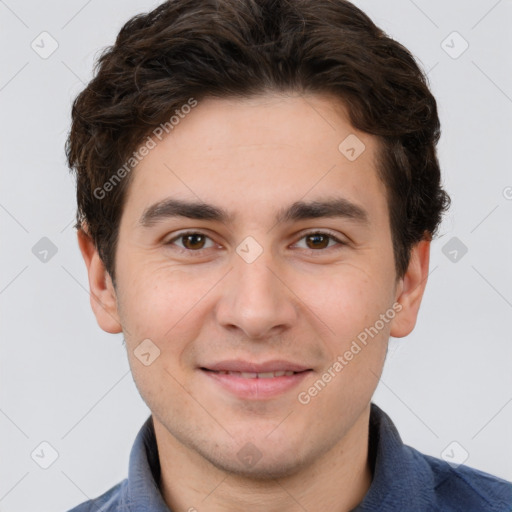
142	492
401	477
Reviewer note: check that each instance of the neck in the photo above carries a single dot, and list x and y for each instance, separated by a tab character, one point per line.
337	481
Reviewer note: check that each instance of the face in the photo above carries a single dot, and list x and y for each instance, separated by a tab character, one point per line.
285	270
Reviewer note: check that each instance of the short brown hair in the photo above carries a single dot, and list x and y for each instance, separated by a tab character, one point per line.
242	48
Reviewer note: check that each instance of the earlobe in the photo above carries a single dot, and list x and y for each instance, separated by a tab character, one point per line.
410	290
102	293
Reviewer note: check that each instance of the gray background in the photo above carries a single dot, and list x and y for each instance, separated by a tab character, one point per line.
66	382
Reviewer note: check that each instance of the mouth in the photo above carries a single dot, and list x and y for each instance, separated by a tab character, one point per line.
252	381
254	375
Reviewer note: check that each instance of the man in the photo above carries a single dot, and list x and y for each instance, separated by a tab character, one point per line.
257	187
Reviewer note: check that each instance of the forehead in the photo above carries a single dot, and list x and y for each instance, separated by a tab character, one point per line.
260	153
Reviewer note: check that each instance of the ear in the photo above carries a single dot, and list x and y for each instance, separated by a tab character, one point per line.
102	293
410	290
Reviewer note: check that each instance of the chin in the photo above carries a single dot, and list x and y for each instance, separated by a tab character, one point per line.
259	459
263	470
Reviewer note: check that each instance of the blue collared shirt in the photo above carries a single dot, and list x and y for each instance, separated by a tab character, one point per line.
404	479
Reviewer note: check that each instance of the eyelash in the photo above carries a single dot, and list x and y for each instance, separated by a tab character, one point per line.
199	252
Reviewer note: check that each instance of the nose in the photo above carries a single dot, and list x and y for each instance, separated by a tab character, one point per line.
256	299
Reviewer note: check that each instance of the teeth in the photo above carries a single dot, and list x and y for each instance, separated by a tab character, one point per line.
246	375
262	375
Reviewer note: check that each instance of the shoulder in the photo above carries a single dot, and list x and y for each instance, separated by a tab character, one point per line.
406	479
110	501
467	489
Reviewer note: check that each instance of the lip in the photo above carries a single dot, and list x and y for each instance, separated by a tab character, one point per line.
256	388
238	365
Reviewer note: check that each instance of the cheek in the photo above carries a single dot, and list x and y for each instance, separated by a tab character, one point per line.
348	300
163	305
159	298
161	388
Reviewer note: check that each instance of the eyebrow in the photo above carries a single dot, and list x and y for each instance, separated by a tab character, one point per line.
337	207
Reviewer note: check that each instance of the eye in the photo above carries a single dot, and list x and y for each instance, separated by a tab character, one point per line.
192	241
196	242
318	240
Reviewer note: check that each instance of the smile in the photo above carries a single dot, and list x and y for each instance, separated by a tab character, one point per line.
253	375
255	385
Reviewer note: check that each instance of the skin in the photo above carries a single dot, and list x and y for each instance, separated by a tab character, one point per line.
295	302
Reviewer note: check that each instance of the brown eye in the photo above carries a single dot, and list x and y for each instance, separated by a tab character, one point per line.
194	241
191	242
320	242
317	241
